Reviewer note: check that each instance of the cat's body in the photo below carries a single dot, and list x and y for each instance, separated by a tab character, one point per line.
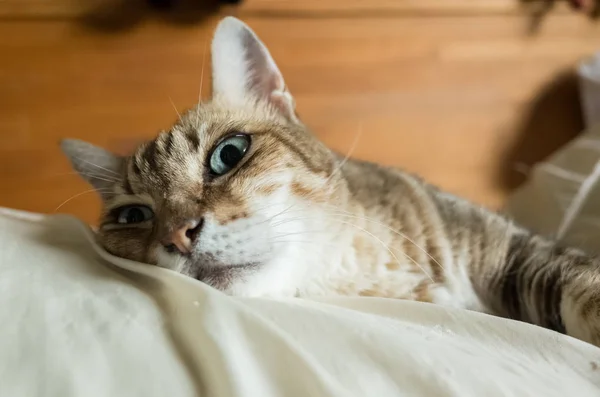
240	195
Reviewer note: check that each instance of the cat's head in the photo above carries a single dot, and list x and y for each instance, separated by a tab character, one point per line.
229	194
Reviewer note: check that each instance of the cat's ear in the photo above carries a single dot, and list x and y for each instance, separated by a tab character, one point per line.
242	68
99	167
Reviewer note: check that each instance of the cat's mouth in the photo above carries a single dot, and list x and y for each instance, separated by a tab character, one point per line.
219	275
214	270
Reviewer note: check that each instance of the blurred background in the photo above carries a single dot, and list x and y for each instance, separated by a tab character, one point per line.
467	93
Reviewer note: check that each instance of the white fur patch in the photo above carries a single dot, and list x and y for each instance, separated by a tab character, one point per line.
229	64
169	261
240	59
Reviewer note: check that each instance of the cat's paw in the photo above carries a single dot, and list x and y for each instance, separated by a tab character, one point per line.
581	317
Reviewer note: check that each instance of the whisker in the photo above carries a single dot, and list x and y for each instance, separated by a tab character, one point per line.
337	211
347	157
57	174
271	205
298	218
342	212
77	195
386	246
304	242
95	176
351	215
268	220
64	173
398	233
97	166
176	111
201	83
311	232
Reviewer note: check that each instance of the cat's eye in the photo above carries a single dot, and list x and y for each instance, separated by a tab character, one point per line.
228	154
134	214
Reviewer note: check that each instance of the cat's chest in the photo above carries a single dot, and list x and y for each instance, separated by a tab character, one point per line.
365	270
388	270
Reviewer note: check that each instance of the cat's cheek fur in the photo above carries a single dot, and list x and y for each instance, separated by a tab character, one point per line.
274	228
132	244
283	235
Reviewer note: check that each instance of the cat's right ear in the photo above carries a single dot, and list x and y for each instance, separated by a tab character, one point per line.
242	69
99	167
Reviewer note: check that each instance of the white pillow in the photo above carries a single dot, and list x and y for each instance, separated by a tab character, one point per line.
76	322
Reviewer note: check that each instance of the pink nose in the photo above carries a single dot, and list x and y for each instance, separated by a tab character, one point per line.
182	238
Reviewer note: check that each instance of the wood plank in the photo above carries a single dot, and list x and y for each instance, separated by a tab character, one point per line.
76	8
42	8
398	7
460	100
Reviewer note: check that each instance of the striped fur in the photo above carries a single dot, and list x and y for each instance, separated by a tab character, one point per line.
295	219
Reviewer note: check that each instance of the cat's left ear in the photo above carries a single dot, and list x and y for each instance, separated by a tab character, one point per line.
99	167
242	68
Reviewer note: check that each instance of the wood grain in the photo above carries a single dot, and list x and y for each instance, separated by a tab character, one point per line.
37	8
74	8
396	7
461	100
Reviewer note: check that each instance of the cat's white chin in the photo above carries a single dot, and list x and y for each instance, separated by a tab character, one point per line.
220	276
290	272
225	277
282	276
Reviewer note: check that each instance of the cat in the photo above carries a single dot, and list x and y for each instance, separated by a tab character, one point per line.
240	195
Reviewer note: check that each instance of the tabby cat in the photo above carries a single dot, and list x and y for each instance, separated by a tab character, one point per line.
240	195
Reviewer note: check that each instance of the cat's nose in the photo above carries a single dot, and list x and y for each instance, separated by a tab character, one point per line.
183	238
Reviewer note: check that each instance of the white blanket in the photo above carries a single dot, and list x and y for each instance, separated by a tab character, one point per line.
77	322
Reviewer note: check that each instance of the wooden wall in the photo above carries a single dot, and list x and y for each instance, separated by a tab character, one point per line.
460	91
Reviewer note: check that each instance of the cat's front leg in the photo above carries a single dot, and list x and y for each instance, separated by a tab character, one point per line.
580	305
542	283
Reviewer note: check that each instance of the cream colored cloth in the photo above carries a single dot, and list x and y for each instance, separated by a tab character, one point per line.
561	197
76	322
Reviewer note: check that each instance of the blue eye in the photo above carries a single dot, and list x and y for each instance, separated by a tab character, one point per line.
134	214
228	154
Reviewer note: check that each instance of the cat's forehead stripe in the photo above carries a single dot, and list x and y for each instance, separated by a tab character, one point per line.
194	139
168	142
302	155
150	154
135	164
127	184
